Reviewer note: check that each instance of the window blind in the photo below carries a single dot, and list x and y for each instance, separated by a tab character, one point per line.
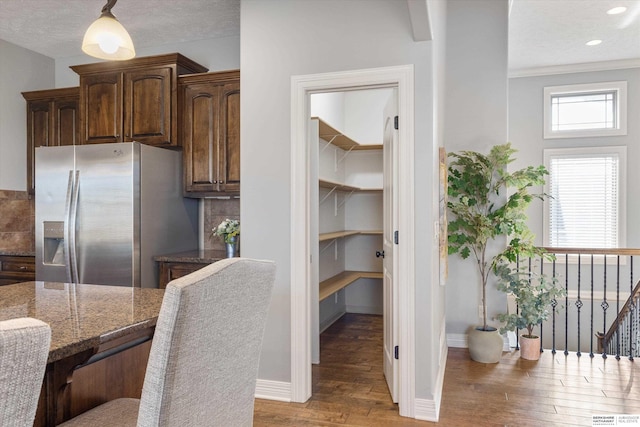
584	208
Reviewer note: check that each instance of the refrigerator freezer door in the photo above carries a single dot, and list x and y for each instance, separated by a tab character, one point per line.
54	175
107	215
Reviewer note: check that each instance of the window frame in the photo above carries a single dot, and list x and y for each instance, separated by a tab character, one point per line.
620	106
621	152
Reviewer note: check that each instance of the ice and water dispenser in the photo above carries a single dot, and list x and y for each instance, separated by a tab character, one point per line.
53	250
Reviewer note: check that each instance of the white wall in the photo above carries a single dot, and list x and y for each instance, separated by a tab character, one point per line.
526	127
330	108
287	38
475	119
21	70
364	110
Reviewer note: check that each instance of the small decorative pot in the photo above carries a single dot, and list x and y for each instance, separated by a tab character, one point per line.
232	247
529	347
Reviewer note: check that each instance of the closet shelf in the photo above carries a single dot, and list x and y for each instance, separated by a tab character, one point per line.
337	138
342	280
344	233
342	187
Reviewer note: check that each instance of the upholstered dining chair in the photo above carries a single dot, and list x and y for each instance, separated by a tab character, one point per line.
204	356
24	349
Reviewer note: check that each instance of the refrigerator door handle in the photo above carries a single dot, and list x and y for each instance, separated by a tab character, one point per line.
73	215
67	227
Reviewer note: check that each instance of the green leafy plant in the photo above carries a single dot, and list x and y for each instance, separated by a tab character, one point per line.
487	202
227	229
534	294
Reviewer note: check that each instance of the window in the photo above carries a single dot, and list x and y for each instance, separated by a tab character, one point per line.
597	109
586	207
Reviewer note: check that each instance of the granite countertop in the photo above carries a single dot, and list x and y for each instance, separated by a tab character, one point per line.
206	256
81	316
11	252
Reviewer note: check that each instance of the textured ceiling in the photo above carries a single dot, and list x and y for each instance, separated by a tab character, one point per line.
56	27
545	33
542	33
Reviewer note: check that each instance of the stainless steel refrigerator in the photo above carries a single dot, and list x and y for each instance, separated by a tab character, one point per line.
103	211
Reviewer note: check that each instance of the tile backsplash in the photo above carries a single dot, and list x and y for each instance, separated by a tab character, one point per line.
17	219
215	211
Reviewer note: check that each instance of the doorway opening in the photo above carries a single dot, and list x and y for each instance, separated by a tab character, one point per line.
304	238
352	213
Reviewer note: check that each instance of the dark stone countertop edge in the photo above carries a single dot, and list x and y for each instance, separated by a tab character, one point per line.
12	252
77	347
197	257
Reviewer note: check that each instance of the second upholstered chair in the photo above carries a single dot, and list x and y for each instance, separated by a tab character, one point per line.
24	349
204	357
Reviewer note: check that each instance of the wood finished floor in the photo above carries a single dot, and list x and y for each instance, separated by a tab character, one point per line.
349	388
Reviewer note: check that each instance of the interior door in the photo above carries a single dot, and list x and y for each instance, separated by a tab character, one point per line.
389	239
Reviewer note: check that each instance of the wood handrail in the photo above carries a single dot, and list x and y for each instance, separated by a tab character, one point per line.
594	251
603	339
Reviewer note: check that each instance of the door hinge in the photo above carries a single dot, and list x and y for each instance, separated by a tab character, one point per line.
395	237
395	352
395	122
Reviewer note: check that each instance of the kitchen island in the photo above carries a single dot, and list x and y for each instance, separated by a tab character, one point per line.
100	341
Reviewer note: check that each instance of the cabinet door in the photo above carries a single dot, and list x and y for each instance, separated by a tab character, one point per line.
229	138
147	107
169	271
200	106
101	104
38	135
65	122
50	122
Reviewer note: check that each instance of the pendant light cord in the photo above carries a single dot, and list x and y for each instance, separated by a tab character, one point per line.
107	7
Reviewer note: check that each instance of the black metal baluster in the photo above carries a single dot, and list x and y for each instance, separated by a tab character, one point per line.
566	305
605	305
618	306
631	308
579	305
554	304
591	320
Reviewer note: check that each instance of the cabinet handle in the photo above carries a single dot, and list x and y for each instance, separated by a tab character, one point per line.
22	267
221	182
215	182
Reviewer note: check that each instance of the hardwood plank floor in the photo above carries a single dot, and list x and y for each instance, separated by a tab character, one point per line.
349	388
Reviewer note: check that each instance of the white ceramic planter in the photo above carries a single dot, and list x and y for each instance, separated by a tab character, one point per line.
485	346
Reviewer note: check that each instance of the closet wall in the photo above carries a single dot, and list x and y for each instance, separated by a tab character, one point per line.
357	115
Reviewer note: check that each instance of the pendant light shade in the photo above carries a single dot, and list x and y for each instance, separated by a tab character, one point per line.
106	38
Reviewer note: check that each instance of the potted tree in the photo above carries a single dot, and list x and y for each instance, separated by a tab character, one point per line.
534	294
486	202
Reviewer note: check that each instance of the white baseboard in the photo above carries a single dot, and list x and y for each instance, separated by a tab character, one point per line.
426	409
330	321
457	340
361	309
460	341
273	390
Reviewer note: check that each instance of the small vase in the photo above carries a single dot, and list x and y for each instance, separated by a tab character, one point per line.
232	246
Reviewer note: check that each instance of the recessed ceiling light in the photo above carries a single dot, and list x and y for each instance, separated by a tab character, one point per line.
593	42
616	10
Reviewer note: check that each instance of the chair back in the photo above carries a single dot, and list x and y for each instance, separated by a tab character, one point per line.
204	357
24	349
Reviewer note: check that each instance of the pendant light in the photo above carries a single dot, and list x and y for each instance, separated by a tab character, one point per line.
106	38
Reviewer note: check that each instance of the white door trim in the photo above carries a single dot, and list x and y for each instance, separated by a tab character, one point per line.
301	88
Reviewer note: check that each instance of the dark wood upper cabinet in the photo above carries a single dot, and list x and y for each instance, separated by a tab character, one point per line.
52	120
210	133
134	100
